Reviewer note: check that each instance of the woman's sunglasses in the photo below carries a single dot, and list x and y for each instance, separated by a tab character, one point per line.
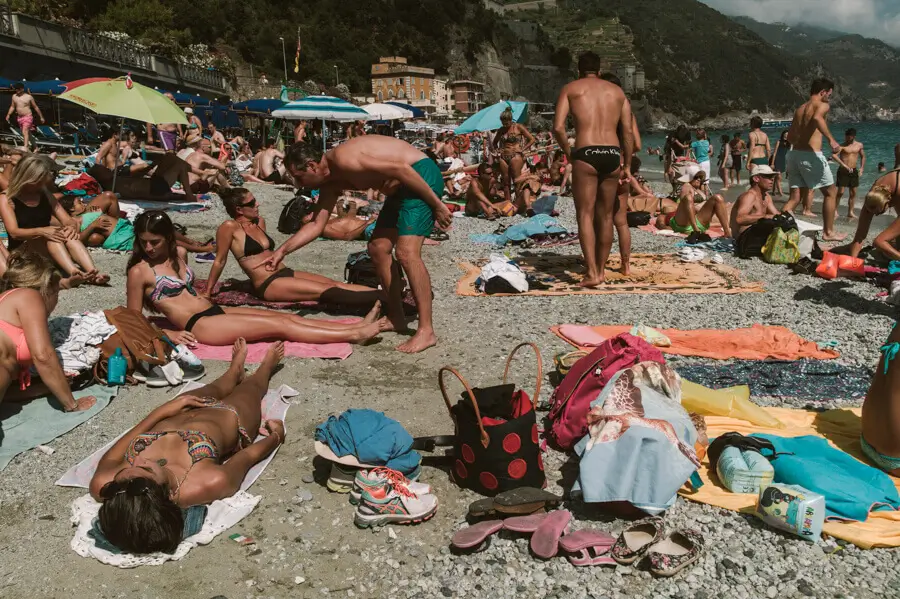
133	486
250	204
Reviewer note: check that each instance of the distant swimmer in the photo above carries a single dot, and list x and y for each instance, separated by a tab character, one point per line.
599	161
852	161
25	107
806	165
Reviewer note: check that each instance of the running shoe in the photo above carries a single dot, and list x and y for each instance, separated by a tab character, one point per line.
341	478
393	504
370	480
205	258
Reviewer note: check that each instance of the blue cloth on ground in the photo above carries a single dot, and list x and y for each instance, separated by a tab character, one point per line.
193	523
539	224
851	489
372	437
25	425
894	267
719	244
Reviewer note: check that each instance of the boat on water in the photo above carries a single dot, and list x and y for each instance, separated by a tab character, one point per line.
776	124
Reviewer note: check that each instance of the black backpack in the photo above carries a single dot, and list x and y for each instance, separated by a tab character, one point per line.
749	244
638	219
292	214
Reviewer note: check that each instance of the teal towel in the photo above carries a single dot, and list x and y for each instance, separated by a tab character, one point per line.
25	425
193	523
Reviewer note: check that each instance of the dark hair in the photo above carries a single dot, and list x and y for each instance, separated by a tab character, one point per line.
483	167
588	62
507	114
725	139
635	165
138	516
17	86
156	222
850	131
756	122
612	78
784	135
68	203
231	198
112	133
820	85
301	153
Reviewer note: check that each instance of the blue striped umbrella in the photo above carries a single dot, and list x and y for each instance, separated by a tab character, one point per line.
326	108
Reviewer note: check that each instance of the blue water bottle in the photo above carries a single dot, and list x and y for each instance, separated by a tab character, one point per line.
116	367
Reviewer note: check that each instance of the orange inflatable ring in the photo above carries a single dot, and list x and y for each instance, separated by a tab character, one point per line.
462	143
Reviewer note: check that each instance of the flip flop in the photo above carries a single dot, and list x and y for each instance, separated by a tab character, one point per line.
545	540
525	500
678	551
473	536
589	545
482	507
525	524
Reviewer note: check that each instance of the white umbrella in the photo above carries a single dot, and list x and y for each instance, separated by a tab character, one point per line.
387	112
326	108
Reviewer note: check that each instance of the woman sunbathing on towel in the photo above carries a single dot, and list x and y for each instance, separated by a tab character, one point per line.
346	225
159	277
176	457
29	291
245	236
884	194
687	219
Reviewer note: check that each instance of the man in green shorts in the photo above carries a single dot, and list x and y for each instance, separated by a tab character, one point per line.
412	184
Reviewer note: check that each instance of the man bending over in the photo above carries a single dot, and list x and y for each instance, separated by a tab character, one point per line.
412	183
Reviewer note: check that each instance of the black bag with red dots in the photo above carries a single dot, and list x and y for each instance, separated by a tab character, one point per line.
496	447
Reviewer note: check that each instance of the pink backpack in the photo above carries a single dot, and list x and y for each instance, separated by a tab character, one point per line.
571	401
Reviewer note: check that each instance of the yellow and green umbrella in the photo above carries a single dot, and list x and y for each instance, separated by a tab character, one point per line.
123	98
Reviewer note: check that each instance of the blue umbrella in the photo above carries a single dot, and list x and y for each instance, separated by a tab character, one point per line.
488	119
259	106
327	108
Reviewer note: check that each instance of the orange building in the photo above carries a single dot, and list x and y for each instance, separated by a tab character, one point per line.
393	79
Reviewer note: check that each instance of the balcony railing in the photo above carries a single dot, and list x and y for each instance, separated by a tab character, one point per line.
8	22
206	77
100	46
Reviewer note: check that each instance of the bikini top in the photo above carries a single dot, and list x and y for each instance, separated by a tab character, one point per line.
169	286
253	247
200	445
23	354
512	140
30	217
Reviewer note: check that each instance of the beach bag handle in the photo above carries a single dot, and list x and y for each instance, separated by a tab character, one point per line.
485	439
540	369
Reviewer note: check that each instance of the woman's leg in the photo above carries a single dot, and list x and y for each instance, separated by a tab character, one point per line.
225	384
302	289
715	206
247	396
515	166
107	203
507	183
81	255
57	252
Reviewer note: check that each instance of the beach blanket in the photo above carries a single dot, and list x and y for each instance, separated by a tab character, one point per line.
222	514
841	428
25	425
256	351
237	292
540	224
758	342
650	273
714	232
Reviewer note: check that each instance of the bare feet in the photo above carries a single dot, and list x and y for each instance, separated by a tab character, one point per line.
626	269
370	331
591	282
96	278
71	282
239	357
374	314
421	341
834	237
384	324
852	216
272	358
808	213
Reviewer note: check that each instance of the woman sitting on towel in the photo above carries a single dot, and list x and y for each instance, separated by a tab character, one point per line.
245	236
880	417
27	208
884	194
159	277
687	219
176	457
29	290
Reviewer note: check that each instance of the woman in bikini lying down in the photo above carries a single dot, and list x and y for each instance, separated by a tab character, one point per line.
880	437
159	278
176	457
345	224
245	236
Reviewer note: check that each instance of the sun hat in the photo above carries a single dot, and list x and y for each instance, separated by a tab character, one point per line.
762	170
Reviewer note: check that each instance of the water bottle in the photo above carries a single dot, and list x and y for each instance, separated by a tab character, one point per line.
116	368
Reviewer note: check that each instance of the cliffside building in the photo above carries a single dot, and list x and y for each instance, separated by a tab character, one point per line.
468	96
393	79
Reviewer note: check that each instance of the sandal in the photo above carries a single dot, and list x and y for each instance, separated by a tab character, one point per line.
545	540
474	536
636	539
525	524
590	547
524	500
565	361
675	553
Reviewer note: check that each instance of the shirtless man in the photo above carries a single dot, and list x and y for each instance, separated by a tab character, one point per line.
755	203
25	107
215	136
598	108
268	171
481	193
107	156
806	165
205	171
412	183
300	131
738	147
168	132
851	155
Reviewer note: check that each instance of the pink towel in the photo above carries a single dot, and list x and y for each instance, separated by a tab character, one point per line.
256	351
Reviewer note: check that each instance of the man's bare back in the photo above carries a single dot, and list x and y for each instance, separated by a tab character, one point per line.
596	107
804	133
348	171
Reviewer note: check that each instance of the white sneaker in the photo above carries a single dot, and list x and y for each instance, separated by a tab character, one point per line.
368	480
393	505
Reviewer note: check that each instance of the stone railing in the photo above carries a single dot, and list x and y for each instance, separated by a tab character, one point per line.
207	77
8	22
100	46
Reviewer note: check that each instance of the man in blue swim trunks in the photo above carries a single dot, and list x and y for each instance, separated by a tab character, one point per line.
806	165
413	185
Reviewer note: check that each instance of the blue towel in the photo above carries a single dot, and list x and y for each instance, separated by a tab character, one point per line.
851	489
719	244
894	267
539	224
193	523
372	437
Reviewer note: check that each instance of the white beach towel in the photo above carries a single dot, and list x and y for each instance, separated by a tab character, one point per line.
222	513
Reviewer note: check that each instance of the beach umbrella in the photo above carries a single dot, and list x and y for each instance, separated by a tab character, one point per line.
327	108
417	112
387	112
488	119
125	99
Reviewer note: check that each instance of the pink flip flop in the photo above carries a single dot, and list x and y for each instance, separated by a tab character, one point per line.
525	524
545	540
475	535
588	547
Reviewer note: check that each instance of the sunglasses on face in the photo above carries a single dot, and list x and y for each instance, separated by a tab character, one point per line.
132	486
249	204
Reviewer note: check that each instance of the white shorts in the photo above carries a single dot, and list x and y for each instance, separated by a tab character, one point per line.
808	170
704	166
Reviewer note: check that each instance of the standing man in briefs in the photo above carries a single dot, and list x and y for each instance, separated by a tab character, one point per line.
737	147
806	165
602	114
25	107
413	185
848	174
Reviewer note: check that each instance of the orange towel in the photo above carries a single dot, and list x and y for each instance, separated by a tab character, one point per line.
756	343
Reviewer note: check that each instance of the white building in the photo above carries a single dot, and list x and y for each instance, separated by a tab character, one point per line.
442	97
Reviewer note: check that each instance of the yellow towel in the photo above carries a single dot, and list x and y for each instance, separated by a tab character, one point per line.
841	428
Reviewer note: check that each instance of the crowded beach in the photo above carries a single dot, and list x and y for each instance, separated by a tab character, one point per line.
493	360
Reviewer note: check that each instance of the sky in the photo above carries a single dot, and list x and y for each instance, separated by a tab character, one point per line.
870	18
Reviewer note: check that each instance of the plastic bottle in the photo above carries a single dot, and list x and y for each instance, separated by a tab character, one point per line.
116	368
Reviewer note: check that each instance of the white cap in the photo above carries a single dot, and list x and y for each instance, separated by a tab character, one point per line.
188	110
689	173
762	170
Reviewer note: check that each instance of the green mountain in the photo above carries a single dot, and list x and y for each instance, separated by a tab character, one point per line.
871	67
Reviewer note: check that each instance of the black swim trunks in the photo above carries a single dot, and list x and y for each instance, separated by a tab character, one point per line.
848	178
604	159
273	177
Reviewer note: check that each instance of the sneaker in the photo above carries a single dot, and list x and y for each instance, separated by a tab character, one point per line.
341	478
369	480
393	504
205	258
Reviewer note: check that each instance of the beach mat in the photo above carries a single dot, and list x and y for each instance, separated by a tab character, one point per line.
221	515
256	351
842	429
238	292
713	232
650	273
758	342
27	424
